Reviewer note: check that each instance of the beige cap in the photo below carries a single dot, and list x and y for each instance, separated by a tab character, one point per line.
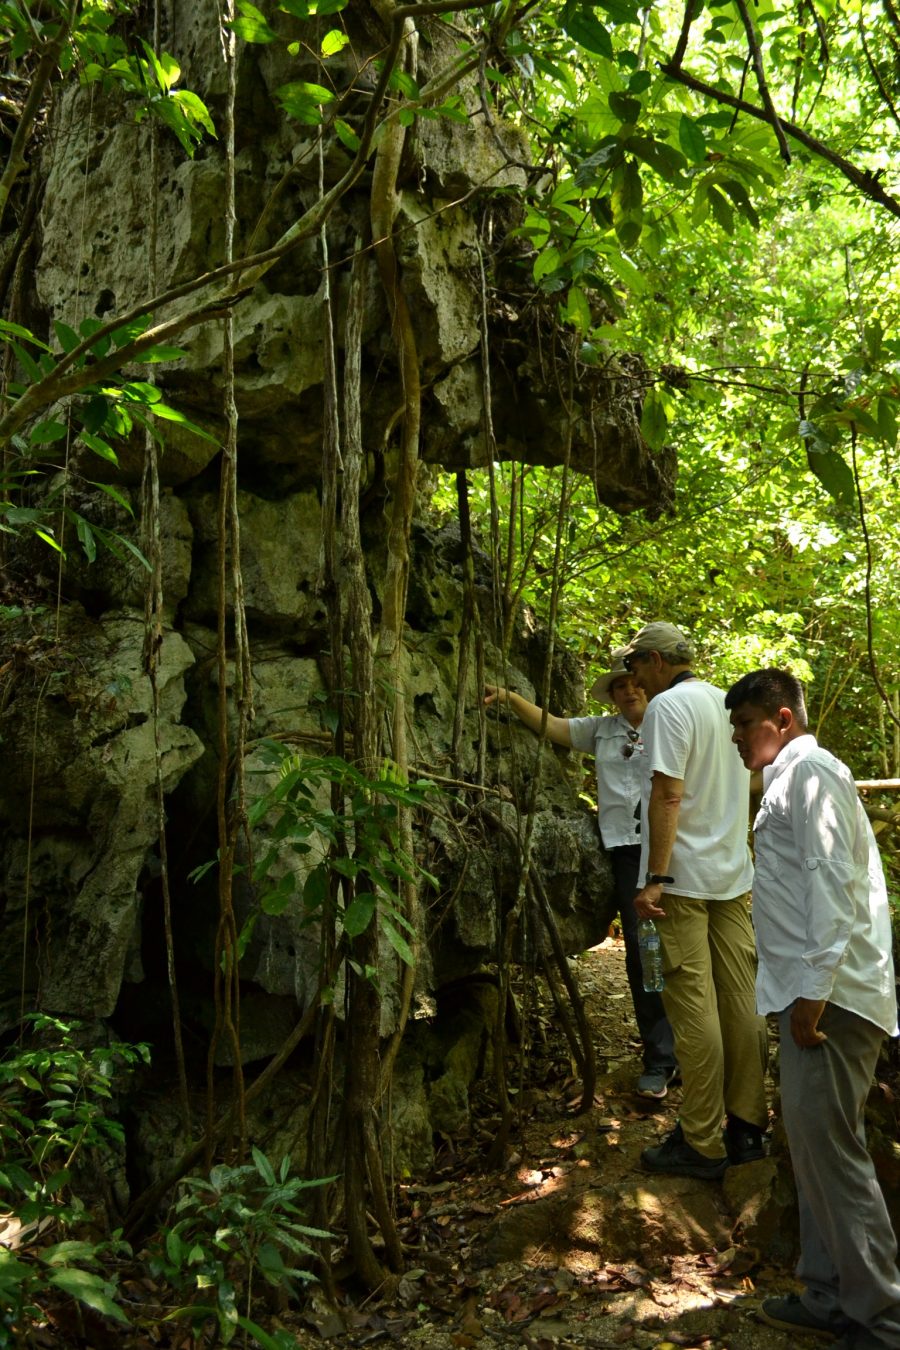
660	637
600	688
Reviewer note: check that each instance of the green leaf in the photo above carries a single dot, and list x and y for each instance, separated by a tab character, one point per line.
546	262
252	26
334	42
721	208
404	82
654	422
305	9
315	889
99	446
89	1289
587	30
153	355
45	433
27	362
276	901
281	1340
578	310
87	328
302	100
835	475
67	337
195	109
86	538
358	914
399	943
741	198
346	135
174	1247
668	162
263	1166
886	417
173	415
16	330
691	139
627	204
621	11
625	107
129	331
165	68
597	166
873	337
94	413
626	271
116	542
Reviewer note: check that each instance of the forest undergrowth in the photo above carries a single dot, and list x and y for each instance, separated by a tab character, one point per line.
533	1255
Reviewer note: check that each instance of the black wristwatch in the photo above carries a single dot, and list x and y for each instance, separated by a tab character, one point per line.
653	877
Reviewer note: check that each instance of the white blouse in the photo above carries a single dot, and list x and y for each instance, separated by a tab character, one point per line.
618	751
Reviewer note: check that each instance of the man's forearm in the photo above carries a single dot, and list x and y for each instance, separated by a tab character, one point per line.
662	822
662	826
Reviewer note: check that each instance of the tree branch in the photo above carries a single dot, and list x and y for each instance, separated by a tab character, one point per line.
15	160
690	11
862	179
876	73
245	272
870	628
761	82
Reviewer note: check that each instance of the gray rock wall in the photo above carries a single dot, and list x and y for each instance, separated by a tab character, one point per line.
79	829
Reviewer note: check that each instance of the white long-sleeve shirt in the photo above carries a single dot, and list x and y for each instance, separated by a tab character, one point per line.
820	905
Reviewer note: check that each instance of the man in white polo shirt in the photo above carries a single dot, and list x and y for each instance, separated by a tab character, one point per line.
823	931
696	872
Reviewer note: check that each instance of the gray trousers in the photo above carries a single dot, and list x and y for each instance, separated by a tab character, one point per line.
847	1246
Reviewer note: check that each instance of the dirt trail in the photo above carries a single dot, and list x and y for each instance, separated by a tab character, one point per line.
573	1245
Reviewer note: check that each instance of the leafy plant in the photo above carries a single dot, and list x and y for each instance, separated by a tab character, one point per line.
54	1101
241	1225
53	1109
361	845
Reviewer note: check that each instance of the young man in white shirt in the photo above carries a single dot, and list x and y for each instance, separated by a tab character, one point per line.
696	871
615	742
824	937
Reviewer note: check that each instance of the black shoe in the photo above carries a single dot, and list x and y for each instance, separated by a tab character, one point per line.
743	1141
680	1159
791	1314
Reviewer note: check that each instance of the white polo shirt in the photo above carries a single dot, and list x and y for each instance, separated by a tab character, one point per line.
820	905
687	735
618	752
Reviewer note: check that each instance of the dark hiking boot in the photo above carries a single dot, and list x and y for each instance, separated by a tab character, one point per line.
678	1158
743	1141
790	1313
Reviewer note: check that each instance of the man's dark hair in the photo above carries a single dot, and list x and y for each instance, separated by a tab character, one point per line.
770	690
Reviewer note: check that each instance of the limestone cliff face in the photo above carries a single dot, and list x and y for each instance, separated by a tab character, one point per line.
78	800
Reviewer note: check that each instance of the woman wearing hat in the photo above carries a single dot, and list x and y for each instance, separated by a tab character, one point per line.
615	742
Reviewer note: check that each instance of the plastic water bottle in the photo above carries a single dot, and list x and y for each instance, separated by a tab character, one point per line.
651	956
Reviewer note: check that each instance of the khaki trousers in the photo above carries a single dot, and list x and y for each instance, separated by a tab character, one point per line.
709	966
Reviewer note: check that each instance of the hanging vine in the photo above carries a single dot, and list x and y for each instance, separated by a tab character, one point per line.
231	817
154	618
